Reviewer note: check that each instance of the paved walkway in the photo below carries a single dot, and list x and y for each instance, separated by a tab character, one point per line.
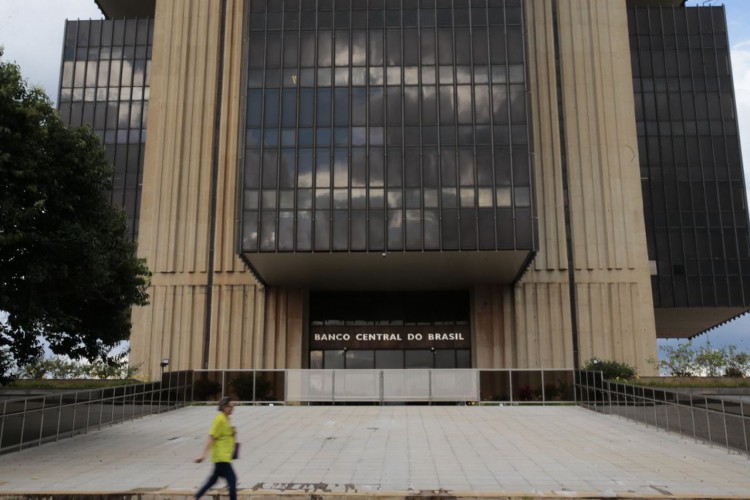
388	451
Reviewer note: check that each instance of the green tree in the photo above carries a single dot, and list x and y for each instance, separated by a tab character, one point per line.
611	370
679	361
687	361
710	362
68	270
737	363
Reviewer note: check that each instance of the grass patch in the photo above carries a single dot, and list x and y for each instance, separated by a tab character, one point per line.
699	382
72	384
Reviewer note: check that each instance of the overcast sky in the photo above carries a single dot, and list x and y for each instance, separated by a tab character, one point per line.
32	33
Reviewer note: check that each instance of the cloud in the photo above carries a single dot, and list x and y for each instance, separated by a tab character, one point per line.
32	34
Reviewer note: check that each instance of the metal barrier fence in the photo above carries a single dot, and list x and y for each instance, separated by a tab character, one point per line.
502	386
32	421
382	385
725	422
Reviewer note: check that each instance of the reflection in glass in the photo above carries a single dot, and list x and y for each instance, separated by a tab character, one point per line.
333	360
316	360
321	85
418	358
360	359
389	359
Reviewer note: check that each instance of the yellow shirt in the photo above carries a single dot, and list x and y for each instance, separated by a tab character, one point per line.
222	448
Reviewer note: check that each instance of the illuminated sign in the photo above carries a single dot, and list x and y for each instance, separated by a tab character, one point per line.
390	337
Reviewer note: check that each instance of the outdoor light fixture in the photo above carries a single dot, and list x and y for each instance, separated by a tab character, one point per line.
164	363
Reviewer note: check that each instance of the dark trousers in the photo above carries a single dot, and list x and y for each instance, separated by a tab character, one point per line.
221	469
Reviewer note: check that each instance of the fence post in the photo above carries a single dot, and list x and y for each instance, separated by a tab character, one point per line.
510	385
382	389
59	417
429	387
133	401
679	413
2	423
88	411
143	399
169	390
75	415
744	428
726	434
112	413
41	420
692	417
161	389
23	423
708	419
333	386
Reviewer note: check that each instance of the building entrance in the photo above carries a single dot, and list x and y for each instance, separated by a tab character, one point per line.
369	330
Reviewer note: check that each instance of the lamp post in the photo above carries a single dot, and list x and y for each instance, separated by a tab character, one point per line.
164	363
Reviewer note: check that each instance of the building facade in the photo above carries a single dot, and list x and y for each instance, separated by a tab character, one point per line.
419	183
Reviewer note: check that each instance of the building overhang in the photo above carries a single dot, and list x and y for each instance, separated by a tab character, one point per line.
389	271
657	3
687	322
127	9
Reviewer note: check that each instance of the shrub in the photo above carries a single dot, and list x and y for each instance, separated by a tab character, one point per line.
611	370
679	361
737	363
204	389
61	367
687	361
242	386
710	362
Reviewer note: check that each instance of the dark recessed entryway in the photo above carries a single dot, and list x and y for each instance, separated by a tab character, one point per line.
366	330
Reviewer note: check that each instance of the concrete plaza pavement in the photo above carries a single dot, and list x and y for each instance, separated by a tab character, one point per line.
387	451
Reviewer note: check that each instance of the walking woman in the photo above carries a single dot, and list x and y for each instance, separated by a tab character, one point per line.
221	441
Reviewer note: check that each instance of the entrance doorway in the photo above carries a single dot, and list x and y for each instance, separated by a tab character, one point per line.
382	330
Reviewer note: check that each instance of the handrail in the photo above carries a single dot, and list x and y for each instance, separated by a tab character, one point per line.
270	386
35	420
723	422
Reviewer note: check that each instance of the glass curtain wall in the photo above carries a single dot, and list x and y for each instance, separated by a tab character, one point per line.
691	167
377	125
105	85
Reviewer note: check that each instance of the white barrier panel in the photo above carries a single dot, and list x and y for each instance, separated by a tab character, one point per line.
406	385
356	385
382	385
309	385
454	385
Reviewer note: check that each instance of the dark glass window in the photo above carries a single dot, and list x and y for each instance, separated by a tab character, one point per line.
685	126
385	359
423	148
418	358
104	85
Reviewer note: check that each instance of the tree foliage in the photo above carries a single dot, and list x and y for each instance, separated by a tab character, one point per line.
611	370
68	270
686	360
61	367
